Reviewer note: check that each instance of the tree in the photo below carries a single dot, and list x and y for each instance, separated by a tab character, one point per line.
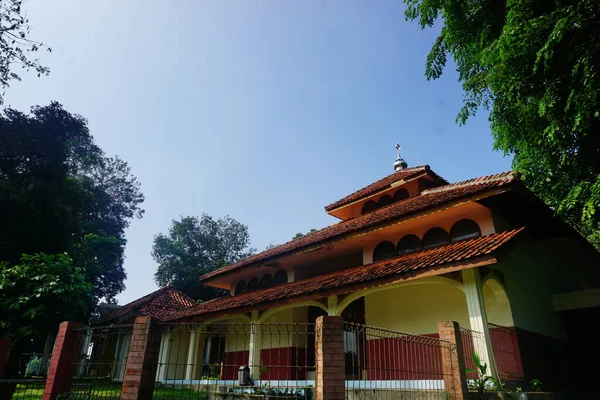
40	291
16	48
535	65
300	234
196	246
60	193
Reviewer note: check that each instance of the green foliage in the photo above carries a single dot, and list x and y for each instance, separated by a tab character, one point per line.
484	383
536	385
39	292
300	234
60	193
534	64
16	48
196	246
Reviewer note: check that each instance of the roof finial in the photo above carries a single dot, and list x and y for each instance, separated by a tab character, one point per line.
399	164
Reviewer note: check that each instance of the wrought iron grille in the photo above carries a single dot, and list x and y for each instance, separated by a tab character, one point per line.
275	360
392	364
99	369
506	352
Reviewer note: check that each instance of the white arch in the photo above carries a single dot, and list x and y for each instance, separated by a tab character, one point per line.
274	311
361	293
497	304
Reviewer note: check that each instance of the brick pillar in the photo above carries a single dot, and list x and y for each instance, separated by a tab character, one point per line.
453	361
330	376
64	357
142	361
4	350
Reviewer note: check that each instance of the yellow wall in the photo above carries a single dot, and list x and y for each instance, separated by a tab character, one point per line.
279	330
416	309
528	285
497	304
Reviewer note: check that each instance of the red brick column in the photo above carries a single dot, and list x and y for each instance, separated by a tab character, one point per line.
4	350
64	356
142	361
453	361
330	376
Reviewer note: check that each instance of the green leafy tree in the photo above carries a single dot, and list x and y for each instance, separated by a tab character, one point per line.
36	294
16	47
534	64
39	292
196	246
60	193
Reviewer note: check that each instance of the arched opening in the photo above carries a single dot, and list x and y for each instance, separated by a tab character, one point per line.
435	237
253	284
280	277
401	194
464	229
369	206
384	250
385	200
409	244
240	288
266	281
496	303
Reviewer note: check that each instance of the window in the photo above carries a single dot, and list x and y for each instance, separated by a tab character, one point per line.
408	244
369	206
280	277
253	284
401	194
266	281
384	250
240	288
464	229
385	200
435	237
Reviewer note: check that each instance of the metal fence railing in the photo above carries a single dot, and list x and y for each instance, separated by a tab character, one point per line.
28	379
472	341
99	368
276	360
506	352
391	364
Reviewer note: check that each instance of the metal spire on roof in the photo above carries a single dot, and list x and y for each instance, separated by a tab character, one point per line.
399	164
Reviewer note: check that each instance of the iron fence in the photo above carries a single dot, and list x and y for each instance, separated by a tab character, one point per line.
235	360
391	364
99	368
506	352
472	342
27	379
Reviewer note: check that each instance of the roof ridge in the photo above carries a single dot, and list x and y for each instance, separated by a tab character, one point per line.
507	176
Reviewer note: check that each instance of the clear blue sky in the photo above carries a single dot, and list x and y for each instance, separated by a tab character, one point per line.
266	110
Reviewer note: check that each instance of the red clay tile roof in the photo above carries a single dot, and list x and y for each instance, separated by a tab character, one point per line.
339	280
427	199
157	305
384	183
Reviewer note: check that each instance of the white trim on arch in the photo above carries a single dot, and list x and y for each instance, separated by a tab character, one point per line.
361	293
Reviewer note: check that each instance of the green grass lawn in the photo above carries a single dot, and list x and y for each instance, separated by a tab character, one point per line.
104	391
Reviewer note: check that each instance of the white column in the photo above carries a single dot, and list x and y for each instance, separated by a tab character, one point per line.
83	353
192	357
332	303
478	318
163	356
254	347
